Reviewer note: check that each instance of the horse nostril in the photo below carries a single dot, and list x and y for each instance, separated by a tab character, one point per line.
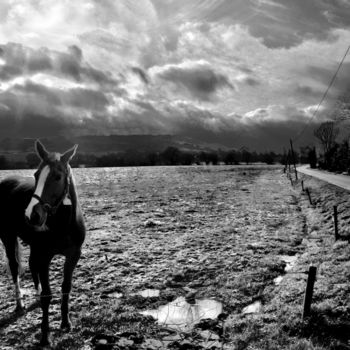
35	217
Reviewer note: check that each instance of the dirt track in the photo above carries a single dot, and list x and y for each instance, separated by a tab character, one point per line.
220	232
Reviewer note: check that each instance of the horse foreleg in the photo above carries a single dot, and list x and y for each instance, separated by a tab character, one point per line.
33	265
45	300
69	266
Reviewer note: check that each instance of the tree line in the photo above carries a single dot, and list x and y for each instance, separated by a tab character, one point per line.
169	156
334	137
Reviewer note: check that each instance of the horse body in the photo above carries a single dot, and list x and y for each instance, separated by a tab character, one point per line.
50	224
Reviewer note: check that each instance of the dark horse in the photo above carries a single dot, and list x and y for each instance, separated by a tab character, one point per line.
45	213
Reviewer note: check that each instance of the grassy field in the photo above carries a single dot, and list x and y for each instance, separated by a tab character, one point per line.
242	236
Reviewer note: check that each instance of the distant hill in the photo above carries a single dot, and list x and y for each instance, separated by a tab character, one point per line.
94	144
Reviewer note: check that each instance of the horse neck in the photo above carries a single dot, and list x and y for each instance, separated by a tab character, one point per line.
72	191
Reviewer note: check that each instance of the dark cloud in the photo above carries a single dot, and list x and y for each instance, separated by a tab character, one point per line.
8	72
141	74
340	85
200	79
32	125
308	91
49	112
272	135
39	60
287	23
34	110
7	122
21	60
16	122
33	95
76	52
69	65
251	81
90	100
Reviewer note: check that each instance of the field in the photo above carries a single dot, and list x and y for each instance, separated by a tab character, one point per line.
235	238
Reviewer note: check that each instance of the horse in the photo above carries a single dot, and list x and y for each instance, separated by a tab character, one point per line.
44	212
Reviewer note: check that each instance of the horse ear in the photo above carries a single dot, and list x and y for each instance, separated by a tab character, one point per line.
41	150
68	155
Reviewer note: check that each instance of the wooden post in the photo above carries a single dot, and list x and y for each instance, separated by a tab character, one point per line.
335	217
302	185
309	291
309	195
288	163
293	157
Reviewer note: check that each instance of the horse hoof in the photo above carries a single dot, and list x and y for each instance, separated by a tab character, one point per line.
44	343
20	310
66	326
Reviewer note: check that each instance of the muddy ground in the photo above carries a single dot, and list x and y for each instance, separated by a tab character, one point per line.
203	233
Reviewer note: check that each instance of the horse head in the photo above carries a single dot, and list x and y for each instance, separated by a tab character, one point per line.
52	180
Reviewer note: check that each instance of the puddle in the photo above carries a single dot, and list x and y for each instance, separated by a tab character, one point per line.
113	295
290	261
254	308
182	316
149	293
277	281
116	295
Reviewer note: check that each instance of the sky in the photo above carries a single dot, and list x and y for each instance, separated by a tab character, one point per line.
237	72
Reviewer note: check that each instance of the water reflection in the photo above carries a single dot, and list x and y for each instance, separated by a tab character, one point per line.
290	261
254	308
182	316
277	281
149	293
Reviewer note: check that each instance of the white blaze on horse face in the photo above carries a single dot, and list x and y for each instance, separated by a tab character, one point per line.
38	190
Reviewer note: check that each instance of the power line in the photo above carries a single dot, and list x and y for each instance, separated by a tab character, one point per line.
324	95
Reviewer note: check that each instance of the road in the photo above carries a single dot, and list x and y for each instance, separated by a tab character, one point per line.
342	181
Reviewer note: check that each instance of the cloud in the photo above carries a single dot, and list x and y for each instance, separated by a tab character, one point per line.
306	91
141	74
199	78
22	61
289	23
281	23
209	68
281	114
325	75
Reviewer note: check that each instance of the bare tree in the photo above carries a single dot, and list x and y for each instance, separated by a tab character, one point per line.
326	134
342	108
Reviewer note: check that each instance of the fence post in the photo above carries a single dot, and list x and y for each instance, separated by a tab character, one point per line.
288	163
309	195
335	217
302	185
309	291
293	157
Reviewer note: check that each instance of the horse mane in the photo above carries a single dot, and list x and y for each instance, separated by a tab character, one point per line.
72	188
24	184
17	185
